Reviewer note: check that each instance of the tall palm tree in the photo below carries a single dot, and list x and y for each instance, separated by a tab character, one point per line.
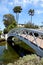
17	10
31	12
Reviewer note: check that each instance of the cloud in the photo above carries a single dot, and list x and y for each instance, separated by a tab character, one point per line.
26	2
41	5
4	2
23	3
3	10
41	0
10	3
39	11
35	2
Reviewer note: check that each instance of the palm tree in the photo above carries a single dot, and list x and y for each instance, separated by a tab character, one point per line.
17	10
31	12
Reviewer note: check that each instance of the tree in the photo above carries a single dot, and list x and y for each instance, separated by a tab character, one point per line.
5	31
0	33
8	19
30	25
13	25
31	12
17	10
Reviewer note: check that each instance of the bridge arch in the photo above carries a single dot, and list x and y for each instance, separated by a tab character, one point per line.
19	32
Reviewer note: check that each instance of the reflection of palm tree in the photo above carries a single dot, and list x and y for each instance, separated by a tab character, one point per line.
17	10
31	12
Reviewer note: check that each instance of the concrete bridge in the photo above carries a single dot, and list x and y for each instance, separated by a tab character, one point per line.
32	37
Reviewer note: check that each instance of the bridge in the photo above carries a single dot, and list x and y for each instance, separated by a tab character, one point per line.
32	37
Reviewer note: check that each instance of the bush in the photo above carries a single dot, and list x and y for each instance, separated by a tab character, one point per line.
0	32
29	60
31	25
2	39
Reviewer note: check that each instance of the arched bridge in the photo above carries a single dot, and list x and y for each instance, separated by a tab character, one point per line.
32	37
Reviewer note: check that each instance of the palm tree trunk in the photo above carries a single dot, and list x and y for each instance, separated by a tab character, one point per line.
17	17
31	19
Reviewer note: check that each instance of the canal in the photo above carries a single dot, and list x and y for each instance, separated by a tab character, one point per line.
13	51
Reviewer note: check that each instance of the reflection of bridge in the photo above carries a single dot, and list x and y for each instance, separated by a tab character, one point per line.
32	37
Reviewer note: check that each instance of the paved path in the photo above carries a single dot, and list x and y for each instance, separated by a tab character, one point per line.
39	41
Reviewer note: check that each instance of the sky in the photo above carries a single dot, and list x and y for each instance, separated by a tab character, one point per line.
6	7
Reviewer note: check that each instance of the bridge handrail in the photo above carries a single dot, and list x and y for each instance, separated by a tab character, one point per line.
40	32
17	33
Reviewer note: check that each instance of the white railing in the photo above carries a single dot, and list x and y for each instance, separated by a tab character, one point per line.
37	39
27	35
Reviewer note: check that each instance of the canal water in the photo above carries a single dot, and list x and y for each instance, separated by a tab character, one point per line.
13	52
2	49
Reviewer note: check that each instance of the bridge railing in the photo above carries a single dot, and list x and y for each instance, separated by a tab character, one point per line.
36	34
27	29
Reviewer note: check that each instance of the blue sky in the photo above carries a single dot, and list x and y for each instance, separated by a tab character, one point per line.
6	6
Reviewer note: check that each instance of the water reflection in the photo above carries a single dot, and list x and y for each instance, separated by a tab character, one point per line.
11	52
2	49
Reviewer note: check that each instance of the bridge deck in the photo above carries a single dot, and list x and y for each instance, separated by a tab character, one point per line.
39	41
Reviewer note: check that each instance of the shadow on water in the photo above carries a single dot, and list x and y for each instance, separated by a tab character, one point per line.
21	51
20	47
2	49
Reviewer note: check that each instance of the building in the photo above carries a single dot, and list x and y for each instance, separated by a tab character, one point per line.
20	25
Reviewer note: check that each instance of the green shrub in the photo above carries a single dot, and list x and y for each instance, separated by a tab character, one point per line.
30	25
29	60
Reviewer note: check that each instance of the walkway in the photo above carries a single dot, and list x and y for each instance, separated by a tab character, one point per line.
39	41
32	37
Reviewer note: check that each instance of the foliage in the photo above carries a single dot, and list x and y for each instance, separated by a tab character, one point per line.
29	60
5	31
9	22
8	19
17	10
31	13
13	25
0	32
30	25
2	42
